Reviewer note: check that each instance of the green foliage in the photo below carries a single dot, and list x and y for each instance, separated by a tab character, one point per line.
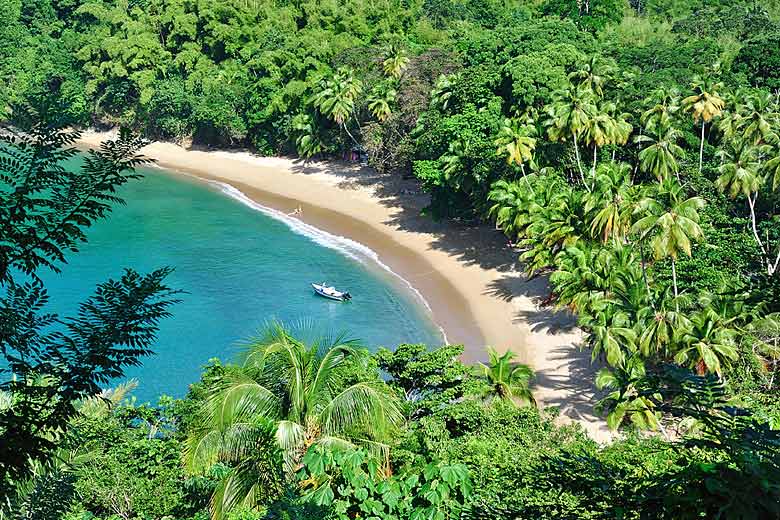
351	485
759	60
428	379
593	15
50	362
290	393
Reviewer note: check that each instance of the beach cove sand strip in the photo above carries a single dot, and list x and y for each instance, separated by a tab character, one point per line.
467	274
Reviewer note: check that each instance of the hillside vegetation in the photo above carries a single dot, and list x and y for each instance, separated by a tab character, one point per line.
630	151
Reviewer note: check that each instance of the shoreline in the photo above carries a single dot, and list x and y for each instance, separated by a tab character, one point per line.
343	245
466	274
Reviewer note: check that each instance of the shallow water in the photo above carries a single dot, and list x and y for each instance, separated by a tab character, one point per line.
240	268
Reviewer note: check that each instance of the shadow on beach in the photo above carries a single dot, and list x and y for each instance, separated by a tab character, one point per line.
470	243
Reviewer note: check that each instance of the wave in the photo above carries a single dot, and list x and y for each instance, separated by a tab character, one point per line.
344	245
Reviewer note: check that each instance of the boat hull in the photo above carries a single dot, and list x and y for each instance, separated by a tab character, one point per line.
338	296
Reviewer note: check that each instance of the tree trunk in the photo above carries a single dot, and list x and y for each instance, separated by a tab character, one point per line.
674	286
579	163
771	268
701	147
593	173
644	273
522	169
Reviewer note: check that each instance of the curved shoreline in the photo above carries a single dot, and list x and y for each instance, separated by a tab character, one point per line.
448	306
466	273
345	245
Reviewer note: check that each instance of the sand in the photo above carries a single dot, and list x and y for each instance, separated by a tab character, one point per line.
468	274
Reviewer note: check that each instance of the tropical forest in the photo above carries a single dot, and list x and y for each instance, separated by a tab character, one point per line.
627	151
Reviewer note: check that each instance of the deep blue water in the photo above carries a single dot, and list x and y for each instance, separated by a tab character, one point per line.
239	268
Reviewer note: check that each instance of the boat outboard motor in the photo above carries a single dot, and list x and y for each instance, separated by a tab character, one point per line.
347	296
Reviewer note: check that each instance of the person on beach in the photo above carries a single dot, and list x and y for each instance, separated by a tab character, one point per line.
297	211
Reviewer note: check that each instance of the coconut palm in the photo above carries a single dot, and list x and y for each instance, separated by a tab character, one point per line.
741	175
704	105
396	61
506	379
659	157
759	117
454	164
580	278
708	345
605	128
594	74
610	205
670	221
511	203
307	139
290	392
568	118
772	167
661	114
611	331
557	222
335	97
739	170
380	100
660	327
517	142
625	400
586	275
441	93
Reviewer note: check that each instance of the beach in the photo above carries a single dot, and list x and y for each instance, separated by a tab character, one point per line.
468	274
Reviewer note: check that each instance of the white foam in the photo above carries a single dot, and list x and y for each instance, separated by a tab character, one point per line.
344	245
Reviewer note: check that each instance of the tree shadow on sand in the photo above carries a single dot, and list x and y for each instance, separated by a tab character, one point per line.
570	379
470	242
543	317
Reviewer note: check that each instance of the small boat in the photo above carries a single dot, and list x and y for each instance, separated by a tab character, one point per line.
330	292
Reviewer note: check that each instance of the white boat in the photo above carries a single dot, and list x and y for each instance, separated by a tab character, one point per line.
330	292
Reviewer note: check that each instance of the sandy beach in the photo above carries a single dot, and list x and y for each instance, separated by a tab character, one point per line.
469	275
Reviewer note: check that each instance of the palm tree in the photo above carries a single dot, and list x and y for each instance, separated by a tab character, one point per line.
625	399
708	345
568	118
759	118
661	327
441	93
740	174
517	142
587	276
290	392
704	105
660	156
335	97
307	139
511	203
395	62
454	164
557	222
605	128
380	100
662	113
610	202
739	170
594	74
611	331
672	220
772	166
508	380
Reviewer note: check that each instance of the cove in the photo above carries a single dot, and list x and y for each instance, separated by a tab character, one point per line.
240	266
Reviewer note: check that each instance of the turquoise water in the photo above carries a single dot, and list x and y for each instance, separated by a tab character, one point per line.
239	268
